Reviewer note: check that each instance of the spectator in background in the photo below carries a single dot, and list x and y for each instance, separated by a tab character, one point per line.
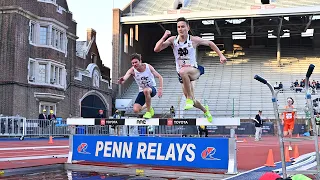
296	84
117	115
203	129
172	112
43	115
281	87
51	116
308	119
317	118
98	128
302	83
258	126
100	115
276	86
43	122
313	84
116	128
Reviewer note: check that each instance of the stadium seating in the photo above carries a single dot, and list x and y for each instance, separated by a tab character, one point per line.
230	88
249	95
152	7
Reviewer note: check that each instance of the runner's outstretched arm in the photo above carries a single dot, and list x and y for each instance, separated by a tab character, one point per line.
163	43
212	45
155	73
125	77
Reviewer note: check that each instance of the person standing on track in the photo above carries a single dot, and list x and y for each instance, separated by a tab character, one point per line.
143	74
184	49
258	126
288	119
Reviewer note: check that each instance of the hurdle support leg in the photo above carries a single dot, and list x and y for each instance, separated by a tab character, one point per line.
232	164
72	132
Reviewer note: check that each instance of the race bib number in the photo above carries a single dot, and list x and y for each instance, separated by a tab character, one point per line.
288	115
183	63
145	82
184	59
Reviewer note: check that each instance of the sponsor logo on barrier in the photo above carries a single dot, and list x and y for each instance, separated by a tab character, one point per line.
111	122
208	154
180	122
82	148
102	122
146	151
181	152
141	121
171	122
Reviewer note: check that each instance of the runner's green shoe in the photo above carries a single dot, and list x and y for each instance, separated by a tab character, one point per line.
189	104
152	111
147	115
208	114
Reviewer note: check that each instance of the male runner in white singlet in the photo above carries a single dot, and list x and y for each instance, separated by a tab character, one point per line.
184	50
143	74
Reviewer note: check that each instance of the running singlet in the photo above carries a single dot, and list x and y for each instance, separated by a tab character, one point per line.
144	79
288	115
184	53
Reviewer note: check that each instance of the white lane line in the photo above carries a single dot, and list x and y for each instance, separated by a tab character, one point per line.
35	147
33	151
34	157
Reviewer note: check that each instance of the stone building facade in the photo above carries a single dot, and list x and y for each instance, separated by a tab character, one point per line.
43	66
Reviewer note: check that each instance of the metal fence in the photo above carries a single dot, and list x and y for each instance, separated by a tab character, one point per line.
45	127
22	127
12	126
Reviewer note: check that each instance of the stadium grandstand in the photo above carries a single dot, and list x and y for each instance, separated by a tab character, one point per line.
277	40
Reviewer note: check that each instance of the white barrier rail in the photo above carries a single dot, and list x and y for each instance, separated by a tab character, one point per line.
231	123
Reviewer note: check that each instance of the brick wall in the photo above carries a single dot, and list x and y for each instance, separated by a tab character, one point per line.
16	95
6	105
20	100
7	47
45	10
116	46
25	103
20	26
82	63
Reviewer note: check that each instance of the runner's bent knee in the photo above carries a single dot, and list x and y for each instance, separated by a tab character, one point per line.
136	108
147	90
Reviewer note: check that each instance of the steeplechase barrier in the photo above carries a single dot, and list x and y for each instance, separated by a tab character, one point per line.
184	152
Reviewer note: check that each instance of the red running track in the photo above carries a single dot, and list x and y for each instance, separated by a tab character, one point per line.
250	154
11	144
31	152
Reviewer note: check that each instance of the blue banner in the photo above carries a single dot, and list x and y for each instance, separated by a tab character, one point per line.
161	151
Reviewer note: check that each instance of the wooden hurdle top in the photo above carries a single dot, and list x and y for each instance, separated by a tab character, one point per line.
155	121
